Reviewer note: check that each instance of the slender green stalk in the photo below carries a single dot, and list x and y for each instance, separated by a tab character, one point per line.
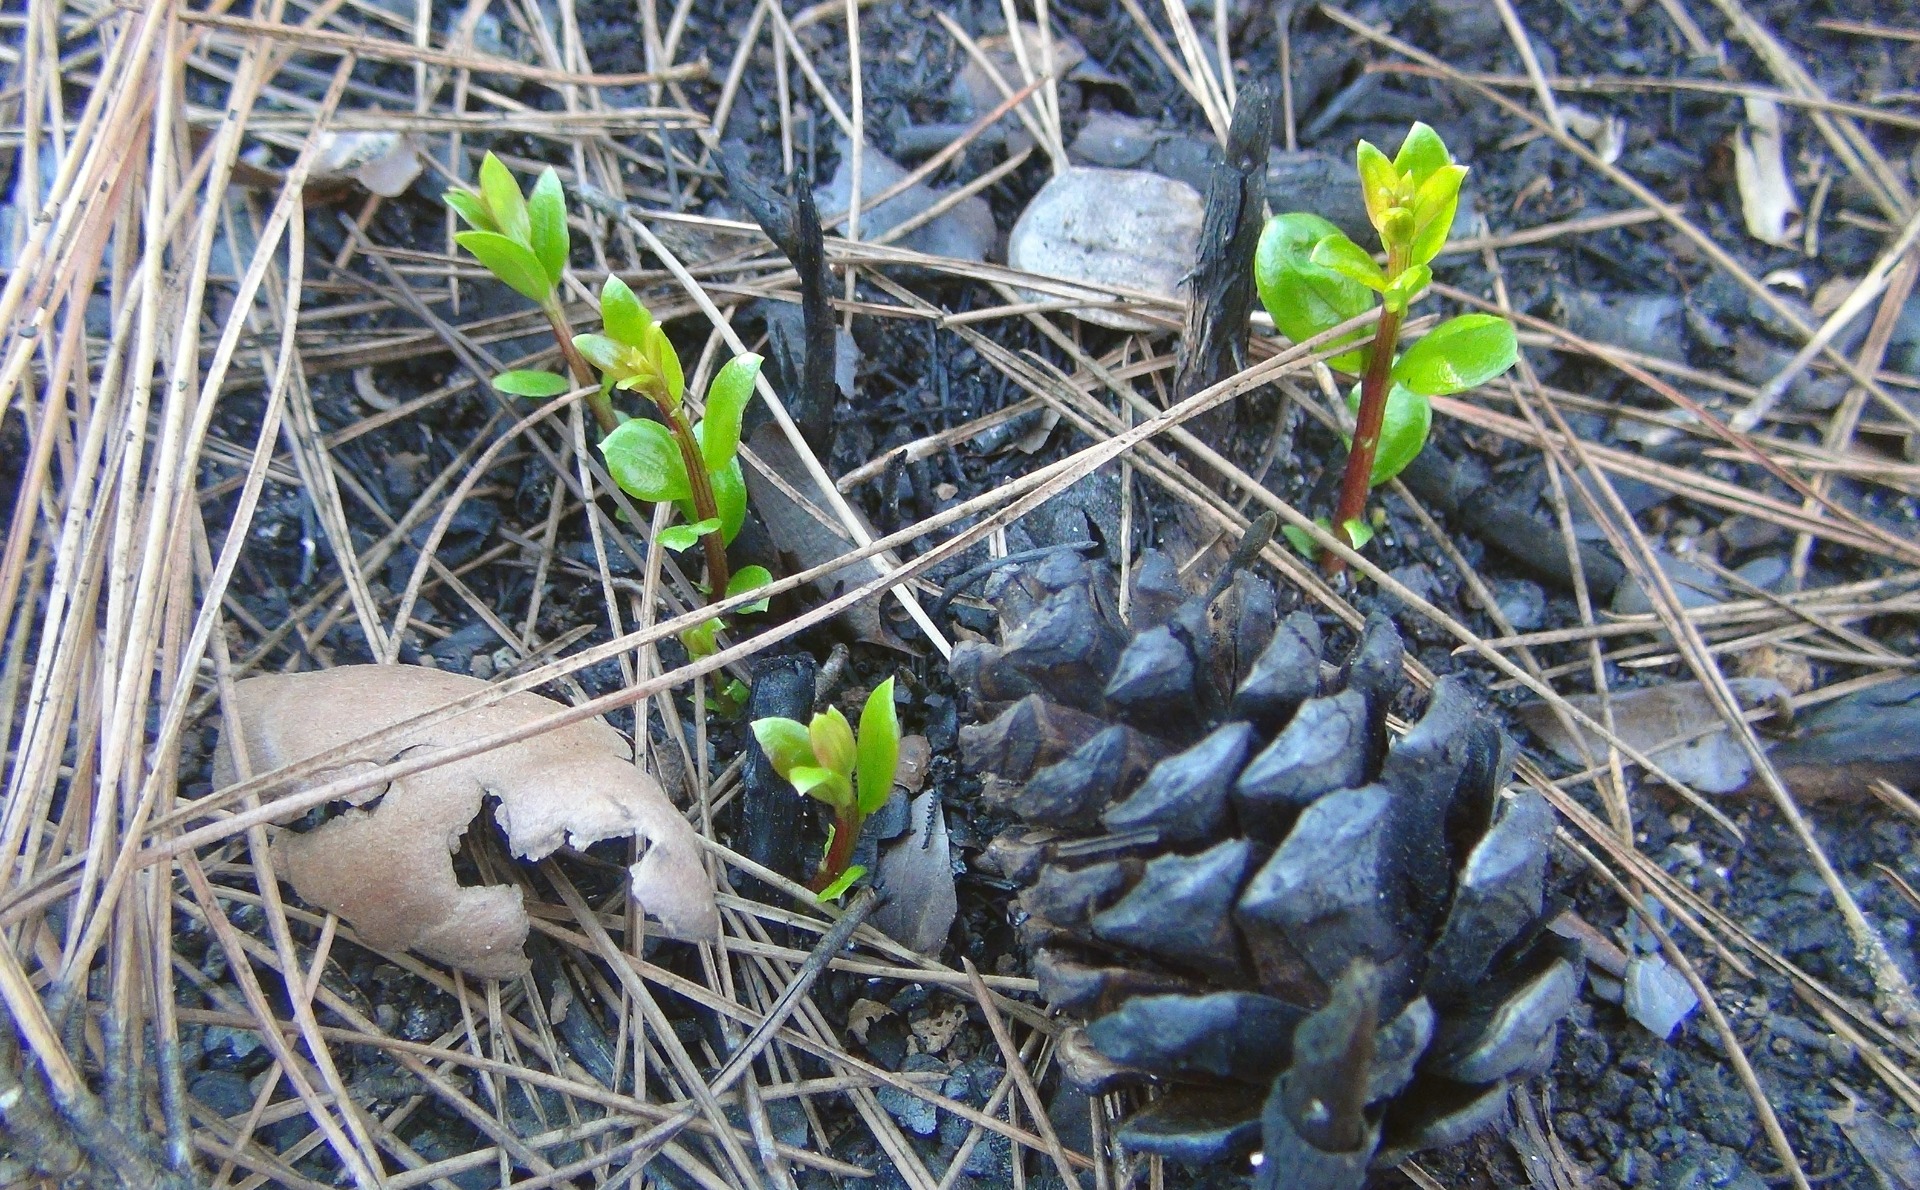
582	371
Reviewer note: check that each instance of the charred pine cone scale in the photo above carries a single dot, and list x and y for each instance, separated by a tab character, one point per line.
1322	945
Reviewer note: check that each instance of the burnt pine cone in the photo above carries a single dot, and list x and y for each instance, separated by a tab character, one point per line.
1325	947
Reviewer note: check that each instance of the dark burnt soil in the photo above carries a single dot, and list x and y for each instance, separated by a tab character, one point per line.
1629	1108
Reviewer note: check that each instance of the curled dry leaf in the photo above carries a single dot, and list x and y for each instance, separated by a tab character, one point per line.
1653	717
385	865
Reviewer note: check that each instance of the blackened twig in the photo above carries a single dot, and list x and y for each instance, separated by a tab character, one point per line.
1213	344
794	228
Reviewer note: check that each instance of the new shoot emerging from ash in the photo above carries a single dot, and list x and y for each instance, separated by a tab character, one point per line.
523	241
852	776
1312	278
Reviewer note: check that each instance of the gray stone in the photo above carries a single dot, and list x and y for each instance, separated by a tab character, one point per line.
1658	996
1113	228
1522	602
1695	587
965	232
1652	324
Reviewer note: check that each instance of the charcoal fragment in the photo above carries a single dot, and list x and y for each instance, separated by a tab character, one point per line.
1088	991
1155	678
1231	1035
1070	896
1501	893
1286	674
1336	889
1195	1125
1027	736
1071	792
1184	798
1181	911
1323	749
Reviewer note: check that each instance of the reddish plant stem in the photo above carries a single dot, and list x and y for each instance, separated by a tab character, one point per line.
1357	481
846	832
705	507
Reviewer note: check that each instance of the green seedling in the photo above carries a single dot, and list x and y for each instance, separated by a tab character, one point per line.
852	777
1312	278
523	240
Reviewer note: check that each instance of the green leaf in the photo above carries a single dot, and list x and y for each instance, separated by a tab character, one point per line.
1421	154
625	318
749	578
879	754
786	743
1303	298
833	741
504	201
512	262
842	883
547	219
644	460
1434	208
525	382
660	350
1350	260
1302	543
822	783
1359	533
1404	427
1407	286
470	207
1458	354
679	537
727	399
603	353
1379	181
702	640
730	499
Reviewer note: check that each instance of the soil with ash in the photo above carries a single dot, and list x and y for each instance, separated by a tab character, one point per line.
1628	1107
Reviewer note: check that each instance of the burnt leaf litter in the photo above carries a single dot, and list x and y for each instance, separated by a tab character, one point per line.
1315	939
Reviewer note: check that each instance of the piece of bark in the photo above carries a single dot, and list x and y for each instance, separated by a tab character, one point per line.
385	864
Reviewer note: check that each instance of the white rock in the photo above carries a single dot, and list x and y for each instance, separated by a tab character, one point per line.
1116	228
1658	996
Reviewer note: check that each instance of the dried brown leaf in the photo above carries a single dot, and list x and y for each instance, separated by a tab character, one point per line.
385	865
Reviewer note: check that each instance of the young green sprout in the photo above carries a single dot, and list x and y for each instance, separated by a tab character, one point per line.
523	240
853	777
1312	278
